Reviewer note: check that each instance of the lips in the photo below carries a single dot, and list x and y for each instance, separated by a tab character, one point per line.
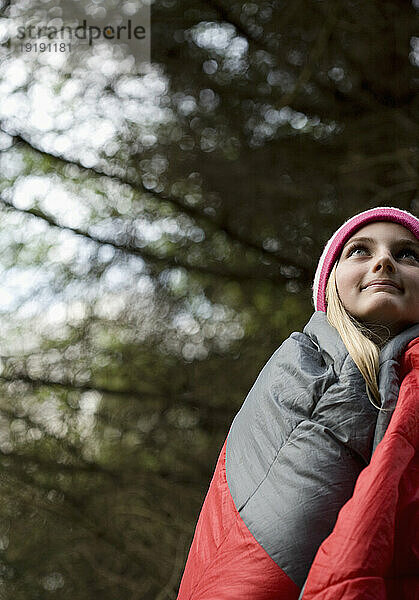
382	282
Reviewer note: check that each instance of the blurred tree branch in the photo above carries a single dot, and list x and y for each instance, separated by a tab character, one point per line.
188	210
159	262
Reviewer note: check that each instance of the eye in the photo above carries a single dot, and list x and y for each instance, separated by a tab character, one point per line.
408	253
357	250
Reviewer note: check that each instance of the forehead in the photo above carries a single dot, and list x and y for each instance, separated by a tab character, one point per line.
384	231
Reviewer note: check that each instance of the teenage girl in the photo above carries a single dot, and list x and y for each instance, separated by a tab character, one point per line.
309	427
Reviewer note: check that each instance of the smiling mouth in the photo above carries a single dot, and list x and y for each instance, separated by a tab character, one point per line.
383	284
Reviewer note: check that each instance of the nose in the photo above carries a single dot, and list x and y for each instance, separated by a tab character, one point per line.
384	262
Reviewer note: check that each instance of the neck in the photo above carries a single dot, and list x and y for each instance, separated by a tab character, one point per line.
378	333
381	333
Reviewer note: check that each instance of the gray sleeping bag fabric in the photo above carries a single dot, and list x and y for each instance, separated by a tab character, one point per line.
301	438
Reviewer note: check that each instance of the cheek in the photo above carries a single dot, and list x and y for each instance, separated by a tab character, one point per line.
414	296
346	282
411	283
416	284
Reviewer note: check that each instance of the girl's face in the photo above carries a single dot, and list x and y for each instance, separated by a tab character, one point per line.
377	276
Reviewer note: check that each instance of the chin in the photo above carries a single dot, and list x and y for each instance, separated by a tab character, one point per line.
384	308
386	315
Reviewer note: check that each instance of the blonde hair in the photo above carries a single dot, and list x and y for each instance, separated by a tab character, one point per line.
356	337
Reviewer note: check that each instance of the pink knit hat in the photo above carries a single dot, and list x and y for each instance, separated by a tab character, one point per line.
334	246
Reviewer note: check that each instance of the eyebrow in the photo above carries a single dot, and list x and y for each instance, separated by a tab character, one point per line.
400	242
